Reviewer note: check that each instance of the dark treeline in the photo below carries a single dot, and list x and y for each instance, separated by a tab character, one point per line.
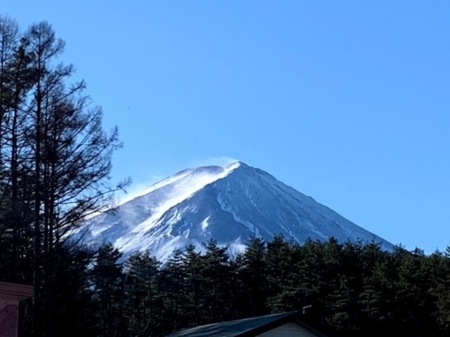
353	289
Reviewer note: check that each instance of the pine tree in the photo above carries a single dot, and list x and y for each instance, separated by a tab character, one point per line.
173	287
107	278
253	271
217	286
143	301
194	290
376	288
282	276
439	265
68	291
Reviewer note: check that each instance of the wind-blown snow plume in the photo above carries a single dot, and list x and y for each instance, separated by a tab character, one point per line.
228	204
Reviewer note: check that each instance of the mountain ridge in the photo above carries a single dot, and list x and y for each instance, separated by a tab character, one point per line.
228	204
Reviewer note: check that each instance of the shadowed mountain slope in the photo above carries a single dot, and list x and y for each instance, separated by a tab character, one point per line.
227	204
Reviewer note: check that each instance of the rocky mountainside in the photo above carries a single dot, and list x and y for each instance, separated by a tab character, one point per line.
229	204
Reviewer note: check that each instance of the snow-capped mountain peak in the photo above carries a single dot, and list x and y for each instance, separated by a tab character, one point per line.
229	204
179	187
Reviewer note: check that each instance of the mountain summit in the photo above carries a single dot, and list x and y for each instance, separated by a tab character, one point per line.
229	204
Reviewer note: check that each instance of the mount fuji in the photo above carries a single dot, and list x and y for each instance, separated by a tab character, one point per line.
229	204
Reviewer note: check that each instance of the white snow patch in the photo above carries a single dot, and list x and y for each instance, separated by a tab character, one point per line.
175	218
236	247
160	184
183	185
205	223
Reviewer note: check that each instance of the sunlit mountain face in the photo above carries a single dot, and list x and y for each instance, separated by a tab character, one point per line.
229	204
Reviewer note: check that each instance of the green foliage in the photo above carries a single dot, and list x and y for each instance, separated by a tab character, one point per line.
143	301
217	283
107	279
68	298
253	277
350	289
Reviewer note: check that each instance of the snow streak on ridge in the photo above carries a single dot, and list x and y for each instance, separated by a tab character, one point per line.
180	186
182	190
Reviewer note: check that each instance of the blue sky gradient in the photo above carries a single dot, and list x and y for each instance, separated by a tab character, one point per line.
348	102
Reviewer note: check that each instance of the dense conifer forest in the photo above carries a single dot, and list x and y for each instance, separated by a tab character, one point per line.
349	289
55	163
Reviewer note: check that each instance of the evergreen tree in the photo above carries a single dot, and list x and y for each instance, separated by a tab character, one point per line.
282	276
194	290
107	278
143	301
69	292
438	266
253	271
373	298
173	287
217	283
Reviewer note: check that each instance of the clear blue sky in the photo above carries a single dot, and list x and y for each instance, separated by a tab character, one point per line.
346	101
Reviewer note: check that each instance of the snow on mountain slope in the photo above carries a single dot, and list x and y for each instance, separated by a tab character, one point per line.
228	204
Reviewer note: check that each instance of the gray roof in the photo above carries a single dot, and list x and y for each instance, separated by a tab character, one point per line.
239	328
